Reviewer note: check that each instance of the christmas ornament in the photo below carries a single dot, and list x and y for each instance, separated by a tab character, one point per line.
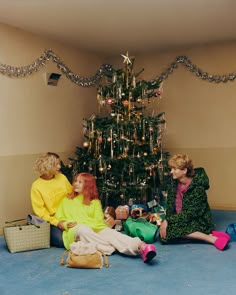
125	103
126	58
109	100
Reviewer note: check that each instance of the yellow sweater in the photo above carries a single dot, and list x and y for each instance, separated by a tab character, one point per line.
74	210
46	196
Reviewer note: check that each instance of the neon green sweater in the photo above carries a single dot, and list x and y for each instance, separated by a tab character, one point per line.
74	210
46	196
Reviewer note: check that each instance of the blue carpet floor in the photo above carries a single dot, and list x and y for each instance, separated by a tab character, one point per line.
191	268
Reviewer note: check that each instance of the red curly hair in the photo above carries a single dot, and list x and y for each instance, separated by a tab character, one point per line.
90	191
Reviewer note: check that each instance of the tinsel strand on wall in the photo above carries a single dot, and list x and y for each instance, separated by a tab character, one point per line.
197	71
19	72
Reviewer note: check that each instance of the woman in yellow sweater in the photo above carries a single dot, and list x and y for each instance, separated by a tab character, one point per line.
48	191
84	221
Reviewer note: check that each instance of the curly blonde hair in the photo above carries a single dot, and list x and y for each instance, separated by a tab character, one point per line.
181	162
45	162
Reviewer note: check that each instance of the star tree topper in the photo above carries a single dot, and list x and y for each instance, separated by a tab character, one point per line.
126	58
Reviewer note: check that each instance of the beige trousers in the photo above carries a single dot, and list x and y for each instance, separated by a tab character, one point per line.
108	240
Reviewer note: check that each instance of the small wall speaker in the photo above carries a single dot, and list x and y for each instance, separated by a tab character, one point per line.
52	78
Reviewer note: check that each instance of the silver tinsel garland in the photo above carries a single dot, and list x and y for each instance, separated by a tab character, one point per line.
19	72
197	71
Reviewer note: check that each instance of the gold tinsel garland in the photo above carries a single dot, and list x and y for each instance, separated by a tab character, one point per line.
19	72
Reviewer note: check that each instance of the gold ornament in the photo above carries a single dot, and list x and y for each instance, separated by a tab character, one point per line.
125	103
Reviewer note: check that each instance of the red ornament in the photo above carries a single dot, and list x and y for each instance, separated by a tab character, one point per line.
109	101
158	93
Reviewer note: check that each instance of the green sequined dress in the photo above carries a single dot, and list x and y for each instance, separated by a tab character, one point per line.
195	214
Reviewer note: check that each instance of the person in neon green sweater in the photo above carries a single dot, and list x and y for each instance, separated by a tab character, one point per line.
84	221
47	192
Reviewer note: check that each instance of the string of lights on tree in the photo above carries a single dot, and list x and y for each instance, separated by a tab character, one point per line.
27	70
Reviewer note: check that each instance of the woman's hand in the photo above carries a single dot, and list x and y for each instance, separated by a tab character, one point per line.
71	224
163	228
60	224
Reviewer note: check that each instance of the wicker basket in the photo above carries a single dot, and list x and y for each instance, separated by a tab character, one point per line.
27	237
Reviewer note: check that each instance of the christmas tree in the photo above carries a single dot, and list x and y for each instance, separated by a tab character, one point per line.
123	148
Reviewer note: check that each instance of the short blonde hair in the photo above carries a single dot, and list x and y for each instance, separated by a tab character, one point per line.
181	162
45	162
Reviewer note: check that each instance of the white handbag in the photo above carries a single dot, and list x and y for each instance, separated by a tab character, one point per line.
22	236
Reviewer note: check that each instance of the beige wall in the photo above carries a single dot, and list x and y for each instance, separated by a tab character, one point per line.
35	118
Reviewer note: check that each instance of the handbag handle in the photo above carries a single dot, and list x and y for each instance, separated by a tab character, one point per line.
13	221
22	219
62	261
105	258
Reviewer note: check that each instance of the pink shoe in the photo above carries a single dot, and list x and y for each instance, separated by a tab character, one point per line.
220	243
148	252
221	234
